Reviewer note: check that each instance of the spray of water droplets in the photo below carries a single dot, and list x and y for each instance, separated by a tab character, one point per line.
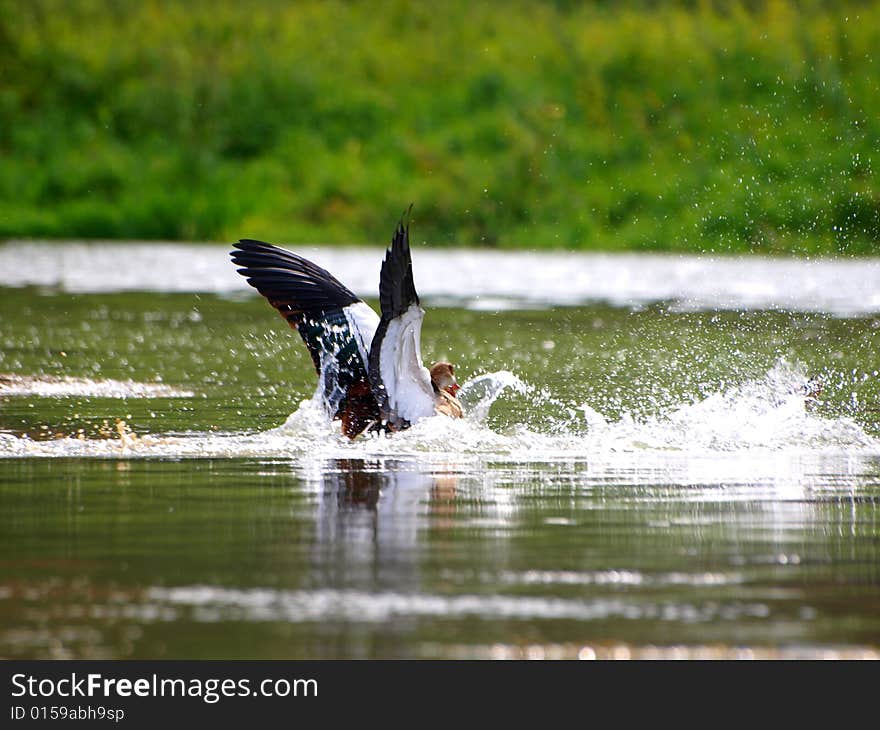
774	414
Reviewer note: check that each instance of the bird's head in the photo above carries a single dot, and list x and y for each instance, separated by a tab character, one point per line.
443	377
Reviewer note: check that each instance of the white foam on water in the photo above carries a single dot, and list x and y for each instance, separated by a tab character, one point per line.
739	432
50	386
769	415
519	279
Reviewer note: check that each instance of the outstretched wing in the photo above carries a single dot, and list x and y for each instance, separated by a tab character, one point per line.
336	325
401	383
293	285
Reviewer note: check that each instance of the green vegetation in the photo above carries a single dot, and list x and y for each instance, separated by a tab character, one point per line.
677	126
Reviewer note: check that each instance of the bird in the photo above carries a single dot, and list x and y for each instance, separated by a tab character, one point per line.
370	370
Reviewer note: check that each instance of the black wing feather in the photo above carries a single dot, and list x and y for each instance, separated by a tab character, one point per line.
293	285
397	292
312	301
380	392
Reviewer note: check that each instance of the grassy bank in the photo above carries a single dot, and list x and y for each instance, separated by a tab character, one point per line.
693	127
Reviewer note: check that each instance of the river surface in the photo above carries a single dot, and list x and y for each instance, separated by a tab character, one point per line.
664	456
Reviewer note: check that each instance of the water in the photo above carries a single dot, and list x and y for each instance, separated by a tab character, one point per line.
686	463
842	287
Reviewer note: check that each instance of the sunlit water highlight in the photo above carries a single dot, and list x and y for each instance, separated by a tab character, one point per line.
49	386
836	286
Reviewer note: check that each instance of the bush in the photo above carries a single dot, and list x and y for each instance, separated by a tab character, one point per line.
690	127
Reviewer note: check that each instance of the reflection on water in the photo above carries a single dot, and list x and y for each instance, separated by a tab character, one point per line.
372	557
368	520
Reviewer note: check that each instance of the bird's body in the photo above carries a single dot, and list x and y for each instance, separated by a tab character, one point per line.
448	405
370	367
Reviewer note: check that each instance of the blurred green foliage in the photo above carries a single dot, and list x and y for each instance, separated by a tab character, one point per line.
693	126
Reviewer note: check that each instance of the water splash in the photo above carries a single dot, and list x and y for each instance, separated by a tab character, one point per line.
775	413
479	394
772	415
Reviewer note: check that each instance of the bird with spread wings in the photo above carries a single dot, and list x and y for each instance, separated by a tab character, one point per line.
370	369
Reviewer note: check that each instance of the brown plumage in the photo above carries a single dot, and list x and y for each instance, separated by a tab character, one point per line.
360	409
445	388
